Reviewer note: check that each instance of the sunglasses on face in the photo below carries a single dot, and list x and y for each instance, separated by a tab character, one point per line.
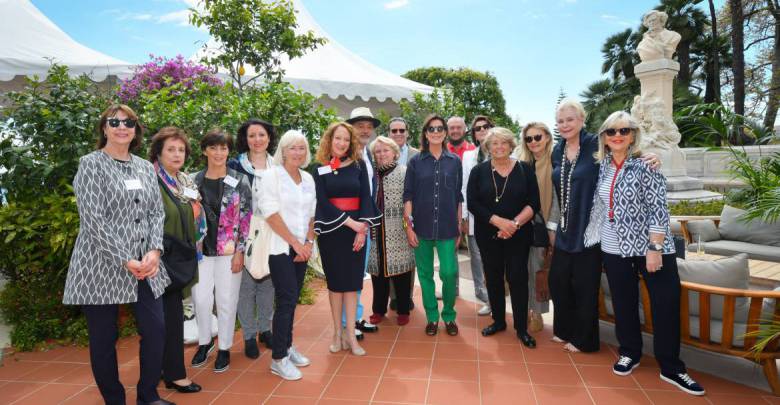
439	128
531	138
478	128
398	131
615	131
114	122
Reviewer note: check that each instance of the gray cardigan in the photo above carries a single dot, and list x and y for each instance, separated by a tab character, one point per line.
120	220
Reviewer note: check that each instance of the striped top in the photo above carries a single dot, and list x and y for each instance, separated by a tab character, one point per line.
610	241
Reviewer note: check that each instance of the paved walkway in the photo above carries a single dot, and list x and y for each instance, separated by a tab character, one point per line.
403	366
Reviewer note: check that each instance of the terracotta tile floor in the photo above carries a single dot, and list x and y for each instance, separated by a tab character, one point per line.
403	366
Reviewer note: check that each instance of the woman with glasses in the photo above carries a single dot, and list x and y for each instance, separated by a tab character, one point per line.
479	130
116	258
345	212
254	143
227	200
432	211
630	221
503	197
536	150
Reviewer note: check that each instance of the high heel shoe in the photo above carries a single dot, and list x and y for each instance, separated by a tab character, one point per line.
356	350
338	346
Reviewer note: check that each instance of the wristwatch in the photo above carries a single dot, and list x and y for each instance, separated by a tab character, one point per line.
656	247
517	224
308	241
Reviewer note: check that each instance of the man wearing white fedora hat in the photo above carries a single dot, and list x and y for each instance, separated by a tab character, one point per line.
365	124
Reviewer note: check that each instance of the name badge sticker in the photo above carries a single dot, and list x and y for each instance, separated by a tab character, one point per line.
133	184
323	170
231	181
190	193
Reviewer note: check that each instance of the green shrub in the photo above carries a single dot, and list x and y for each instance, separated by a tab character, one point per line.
696	208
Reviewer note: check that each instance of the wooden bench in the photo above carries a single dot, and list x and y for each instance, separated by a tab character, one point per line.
766	359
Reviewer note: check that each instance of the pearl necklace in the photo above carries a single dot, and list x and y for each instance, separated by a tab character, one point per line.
567	182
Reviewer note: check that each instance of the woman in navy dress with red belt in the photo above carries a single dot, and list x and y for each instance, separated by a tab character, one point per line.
344	213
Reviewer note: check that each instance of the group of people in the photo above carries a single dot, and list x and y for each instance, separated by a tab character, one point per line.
543	219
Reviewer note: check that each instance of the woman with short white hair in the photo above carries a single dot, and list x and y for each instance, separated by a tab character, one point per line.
630	221
288	202
391	259
503	197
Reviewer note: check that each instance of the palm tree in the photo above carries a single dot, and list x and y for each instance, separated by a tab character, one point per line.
606	96
690	22
703	66
619	51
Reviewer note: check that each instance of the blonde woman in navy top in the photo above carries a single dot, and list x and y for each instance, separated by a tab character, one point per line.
630	219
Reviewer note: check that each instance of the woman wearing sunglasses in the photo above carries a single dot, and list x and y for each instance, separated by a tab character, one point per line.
432	211
479	129
116	258
630	221
503	196
536	150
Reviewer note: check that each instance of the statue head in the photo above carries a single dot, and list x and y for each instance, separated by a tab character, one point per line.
655	20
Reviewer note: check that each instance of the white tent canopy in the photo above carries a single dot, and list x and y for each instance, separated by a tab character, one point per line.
30	41
334	72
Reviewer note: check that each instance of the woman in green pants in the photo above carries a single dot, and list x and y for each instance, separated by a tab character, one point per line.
432	210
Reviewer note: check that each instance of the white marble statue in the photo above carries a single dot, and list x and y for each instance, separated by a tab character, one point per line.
657	42
658	130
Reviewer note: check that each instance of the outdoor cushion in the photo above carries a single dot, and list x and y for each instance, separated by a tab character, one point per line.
703	230
675	227
732	227
729	272
730	247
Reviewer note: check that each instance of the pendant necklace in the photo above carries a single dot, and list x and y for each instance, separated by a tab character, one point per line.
495	186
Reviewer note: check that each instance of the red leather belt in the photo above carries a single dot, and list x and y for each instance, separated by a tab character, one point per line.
346	203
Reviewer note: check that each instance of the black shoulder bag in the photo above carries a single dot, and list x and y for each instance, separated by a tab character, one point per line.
540	238
180	257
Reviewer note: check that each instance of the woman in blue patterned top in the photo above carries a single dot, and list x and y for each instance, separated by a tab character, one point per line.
630	219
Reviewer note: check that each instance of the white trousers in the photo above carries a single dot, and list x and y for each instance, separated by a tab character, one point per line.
216	281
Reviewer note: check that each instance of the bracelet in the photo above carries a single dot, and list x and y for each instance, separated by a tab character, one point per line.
308	241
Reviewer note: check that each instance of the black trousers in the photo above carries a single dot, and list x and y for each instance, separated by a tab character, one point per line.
663	287
574	288
402	284
103	334
173	354
287	277
506	259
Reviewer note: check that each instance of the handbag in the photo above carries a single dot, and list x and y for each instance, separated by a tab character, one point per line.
540	238
258	248
180	257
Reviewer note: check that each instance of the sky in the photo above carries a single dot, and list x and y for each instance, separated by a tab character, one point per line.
535	48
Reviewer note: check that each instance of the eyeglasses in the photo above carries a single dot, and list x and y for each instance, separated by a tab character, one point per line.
398	130
615	131
114	122
478	128
432	129
529	139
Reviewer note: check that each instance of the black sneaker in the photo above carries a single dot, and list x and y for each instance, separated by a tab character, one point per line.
202	355
267	338
364	326
625	365
684	382
223	361
250	348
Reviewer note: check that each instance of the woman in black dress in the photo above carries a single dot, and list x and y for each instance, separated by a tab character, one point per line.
344	213
503	196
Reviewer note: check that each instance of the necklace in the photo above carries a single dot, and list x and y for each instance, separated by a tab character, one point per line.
566	186
495	186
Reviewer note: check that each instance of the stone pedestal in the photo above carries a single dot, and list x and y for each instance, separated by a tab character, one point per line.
657	79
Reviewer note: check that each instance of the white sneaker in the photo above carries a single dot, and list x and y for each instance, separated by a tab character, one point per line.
286	369
297	358
485	310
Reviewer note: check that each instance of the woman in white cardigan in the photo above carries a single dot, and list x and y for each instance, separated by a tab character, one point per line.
288	202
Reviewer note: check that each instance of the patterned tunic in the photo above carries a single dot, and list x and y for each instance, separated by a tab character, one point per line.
396	257
121	218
